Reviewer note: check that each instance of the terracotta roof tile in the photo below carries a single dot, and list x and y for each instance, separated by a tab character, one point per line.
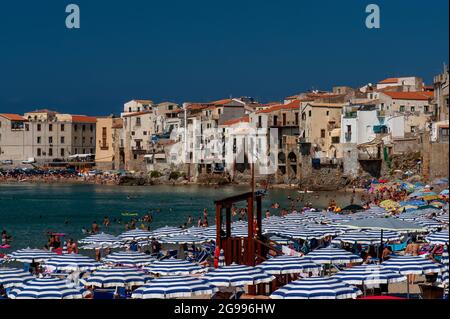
14	117
83	119
244	119
410	95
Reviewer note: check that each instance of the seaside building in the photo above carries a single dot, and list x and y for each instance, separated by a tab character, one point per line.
320	125
13	128
48	136
108	154
406	84
441	100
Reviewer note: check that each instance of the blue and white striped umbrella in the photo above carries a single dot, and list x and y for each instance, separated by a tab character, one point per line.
388	235
408	265
116	277
27	255
327	230
183	239
317	288
429	224
369	275
357	237
300	233
237	275
129	258
101	240
72	262
135	234
331	255
174	267
47	288
443	277
167	231
239	231
438	238
281	265
442	218
13	277
174	287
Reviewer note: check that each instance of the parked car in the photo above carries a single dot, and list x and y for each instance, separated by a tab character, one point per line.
30	160
7	162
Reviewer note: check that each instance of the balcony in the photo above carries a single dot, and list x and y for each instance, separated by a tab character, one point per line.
348	136
137	148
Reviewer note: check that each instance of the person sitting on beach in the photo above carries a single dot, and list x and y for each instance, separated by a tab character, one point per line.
386	253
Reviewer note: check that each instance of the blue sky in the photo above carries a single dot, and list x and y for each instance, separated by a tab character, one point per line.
204	50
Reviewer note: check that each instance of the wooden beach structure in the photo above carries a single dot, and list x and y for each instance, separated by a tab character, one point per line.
250	250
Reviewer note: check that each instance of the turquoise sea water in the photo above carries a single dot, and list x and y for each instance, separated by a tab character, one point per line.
28	211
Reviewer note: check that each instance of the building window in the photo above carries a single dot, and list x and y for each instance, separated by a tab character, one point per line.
91	140
62	152
335	140
303	116
39	140
145	132
91	128
83	141
50	127
284	119
62	139
76	151
426	108
92	151
402	108
50	140
27	127
309	113
322	133
39	127
50	151
39	152
328	113
75	127
138	121
84	127
413	109
62	127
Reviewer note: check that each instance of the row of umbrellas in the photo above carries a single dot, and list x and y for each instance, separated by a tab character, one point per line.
174	286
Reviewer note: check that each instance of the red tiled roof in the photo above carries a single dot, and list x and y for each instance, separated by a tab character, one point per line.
244	119
292	105
221	102
83	119
137	113
14	117
410	95
389	81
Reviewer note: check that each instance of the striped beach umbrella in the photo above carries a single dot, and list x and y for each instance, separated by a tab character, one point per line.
167	231
135	234
387	235
282	265
29	255
280	240
317	288
369	275
129	258
101	240
300	233
429	224
326	230
47	288
438	238
237	275
116	277
357	237
13	277
412	265
174	287
443	277
72	262
330	255
183	239
409	265
174	267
